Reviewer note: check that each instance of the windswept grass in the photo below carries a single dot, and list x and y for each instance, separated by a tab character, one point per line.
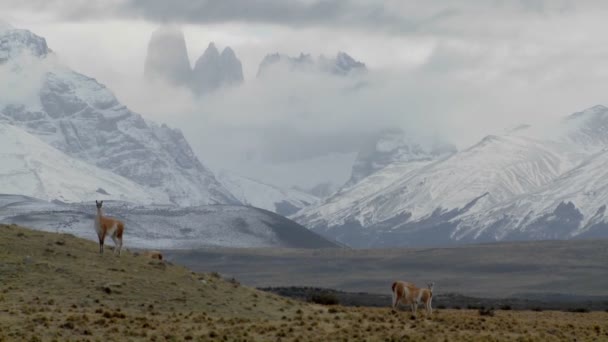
57	287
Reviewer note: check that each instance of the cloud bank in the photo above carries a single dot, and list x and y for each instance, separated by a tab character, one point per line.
455	70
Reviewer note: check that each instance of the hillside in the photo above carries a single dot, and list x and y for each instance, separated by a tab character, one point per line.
57	287
165	227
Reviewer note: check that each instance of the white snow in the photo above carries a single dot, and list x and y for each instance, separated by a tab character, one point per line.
500	167
33	168
163	227
586	186
522	176
83	119
262	195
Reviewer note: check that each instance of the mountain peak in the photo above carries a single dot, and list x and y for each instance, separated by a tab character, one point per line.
342	65
167	59
595	110
83	119
16	42
228	53
213	70
211	50
167	56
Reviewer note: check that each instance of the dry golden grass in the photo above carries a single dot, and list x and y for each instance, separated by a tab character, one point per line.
57	287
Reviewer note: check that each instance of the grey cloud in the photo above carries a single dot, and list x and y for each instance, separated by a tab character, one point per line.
296	13
391	16
348	13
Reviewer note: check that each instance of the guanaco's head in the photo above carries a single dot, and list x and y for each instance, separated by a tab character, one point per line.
98	204
430	285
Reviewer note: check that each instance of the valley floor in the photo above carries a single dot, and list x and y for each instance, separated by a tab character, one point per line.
532	270
57	287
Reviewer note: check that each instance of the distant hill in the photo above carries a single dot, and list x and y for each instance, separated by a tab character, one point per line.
166	227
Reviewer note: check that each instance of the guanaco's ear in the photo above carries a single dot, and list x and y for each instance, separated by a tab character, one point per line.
101	203
96	202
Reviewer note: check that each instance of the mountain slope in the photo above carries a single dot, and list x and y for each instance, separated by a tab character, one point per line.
72	293
166	227
421	198
531	183
393	146
33	168
573	205
83	119
255	193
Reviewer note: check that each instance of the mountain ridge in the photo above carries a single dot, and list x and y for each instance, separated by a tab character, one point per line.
481	188
83	119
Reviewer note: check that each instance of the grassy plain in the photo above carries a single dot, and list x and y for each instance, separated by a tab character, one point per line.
58	288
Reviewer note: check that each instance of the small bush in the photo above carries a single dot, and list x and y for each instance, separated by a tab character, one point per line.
537	309
324	299
486	312
234	282
506	307
579	310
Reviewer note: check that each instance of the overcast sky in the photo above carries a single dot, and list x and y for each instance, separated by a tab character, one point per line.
451	69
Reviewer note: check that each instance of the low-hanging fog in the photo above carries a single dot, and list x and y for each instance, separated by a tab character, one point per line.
443	71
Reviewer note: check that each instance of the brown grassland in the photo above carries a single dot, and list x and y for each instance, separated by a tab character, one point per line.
58	288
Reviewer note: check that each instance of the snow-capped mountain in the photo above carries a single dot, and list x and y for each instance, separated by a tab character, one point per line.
164	227
588	129
82	118
573	205
390	147
14	43
261	195
33	168
426	201
341	65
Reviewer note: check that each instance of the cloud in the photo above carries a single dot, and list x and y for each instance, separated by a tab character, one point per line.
393	16
458	70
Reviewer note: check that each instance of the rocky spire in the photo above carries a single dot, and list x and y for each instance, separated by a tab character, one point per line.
214	70
167	57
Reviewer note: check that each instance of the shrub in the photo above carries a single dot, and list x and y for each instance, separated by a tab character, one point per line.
505	307
580	310
486	312
324	299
